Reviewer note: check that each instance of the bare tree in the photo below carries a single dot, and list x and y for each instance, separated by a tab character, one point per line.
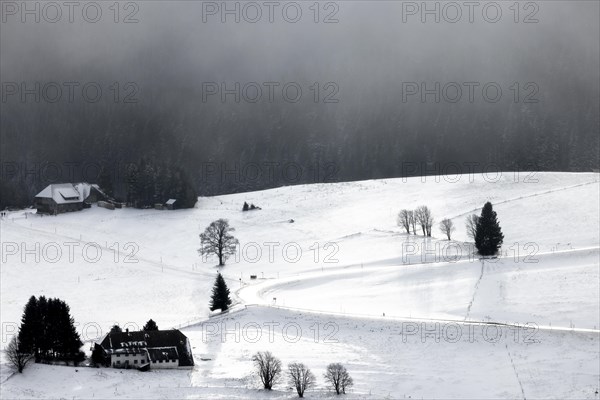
428	221
472	225
338	377
413	221
300	377
268	368
425	219
447	227
420	220
217	240
404	219
15	356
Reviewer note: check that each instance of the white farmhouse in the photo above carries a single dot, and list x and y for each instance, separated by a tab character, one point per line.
148	349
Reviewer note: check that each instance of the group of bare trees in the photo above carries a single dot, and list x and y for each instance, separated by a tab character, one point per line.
407	220
300	377
484	230
423	217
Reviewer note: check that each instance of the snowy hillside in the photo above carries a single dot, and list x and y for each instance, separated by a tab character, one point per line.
344	275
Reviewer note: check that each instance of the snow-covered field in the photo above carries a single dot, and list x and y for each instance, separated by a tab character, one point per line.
500	292
324	283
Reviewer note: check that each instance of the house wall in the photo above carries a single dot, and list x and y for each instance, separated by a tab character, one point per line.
165	364
49	206
69	207
44	205
131	360
135	360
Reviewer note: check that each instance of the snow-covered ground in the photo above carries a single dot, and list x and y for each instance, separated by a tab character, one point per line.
481	363
499	290
335	270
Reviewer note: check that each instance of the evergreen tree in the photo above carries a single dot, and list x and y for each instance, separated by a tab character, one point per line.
99	356
132	183
105	181
116	329
488	235
43	342
220	295
158	189
246	207
30	327
150	326
185	193
147	183
68	340
164	183
51	330
48	330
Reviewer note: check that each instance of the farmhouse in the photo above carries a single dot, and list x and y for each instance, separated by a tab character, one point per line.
59	198
148	349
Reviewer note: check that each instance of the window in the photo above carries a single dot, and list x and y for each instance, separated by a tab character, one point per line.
118	362
135	361
118	355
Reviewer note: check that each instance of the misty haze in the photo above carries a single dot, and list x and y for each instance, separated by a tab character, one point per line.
282	199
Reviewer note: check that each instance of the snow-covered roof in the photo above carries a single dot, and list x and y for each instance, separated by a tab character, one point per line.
129	350
65	193
171	202
85	189
163	353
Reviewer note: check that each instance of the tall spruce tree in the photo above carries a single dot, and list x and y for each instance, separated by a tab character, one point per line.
68	340
133	176
220	295
31	327
116	329
99	356
150	326
488	235
43	342
105	180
